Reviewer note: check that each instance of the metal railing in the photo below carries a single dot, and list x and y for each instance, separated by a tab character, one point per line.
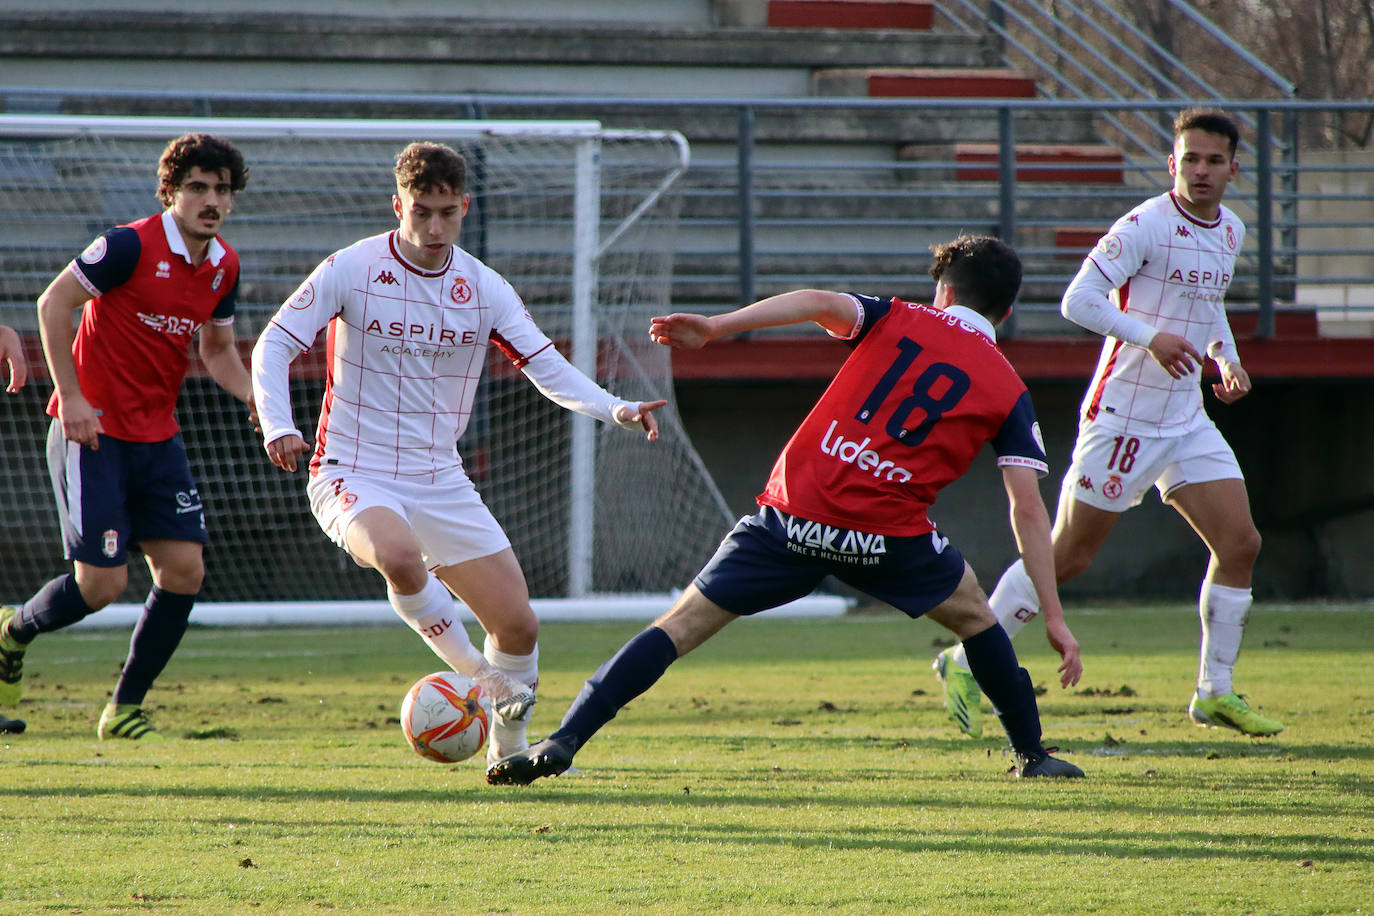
760	216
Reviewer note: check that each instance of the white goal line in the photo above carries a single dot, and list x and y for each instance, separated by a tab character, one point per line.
326	613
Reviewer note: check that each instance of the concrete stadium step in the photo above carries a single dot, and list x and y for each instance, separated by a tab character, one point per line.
1096	163
256	40
827	14
923	82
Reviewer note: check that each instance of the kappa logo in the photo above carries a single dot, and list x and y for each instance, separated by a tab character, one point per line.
386	278
164	270
1183	232
1085	482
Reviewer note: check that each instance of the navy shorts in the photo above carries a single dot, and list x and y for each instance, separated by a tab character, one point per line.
772	558
120	494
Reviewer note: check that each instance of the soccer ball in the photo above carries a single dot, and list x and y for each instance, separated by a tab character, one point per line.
446	717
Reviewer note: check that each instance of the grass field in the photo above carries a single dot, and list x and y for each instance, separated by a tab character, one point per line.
789	766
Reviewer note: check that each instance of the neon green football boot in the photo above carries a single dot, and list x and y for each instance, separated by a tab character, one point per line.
1231	711
962	694
11	660
127	721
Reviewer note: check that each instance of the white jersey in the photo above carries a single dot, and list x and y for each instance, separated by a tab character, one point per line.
1170	271
405	351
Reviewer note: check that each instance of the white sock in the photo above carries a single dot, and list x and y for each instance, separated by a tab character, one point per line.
1223	611
1013	602
508	736
431	613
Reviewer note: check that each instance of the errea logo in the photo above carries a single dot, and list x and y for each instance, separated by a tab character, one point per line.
164	270
386	278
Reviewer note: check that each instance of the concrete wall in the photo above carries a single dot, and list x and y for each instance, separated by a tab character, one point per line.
1304	447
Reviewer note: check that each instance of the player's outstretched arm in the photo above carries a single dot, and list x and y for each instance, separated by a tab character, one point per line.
686	331
1030	524
12	355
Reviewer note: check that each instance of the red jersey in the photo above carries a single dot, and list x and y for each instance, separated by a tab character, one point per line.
148	301
906	414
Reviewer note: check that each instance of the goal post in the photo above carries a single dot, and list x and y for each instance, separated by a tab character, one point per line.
579	218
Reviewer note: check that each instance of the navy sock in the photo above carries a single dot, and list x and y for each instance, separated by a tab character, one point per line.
993	663
156	636
54	606
624	676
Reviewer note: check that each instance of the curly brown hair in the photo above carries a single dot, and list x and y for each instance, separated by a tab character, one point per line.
984	273
431	167
205	151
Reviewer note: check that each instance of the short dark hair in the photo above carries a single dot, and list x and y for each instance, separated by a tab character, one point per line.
431	167
982	272
204	151
1211	120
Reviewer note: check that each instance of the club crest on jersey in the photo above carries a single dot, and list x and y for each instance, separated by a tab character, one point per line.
460	292
1110	246
1036	435
110	543
1112	488
304	297
219	278
1230	237
94	251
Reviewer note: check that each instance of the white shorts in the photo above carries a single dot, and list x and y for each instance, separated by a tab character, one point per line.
1112	471
447	516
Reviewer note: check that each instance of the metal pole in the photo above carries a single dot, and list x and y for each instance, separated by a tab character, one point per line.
1264	221
582	460
745	197
1006	193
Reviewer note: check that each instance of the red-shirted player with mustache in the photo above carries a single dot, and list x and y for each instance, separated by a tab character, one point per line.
922	392
117	461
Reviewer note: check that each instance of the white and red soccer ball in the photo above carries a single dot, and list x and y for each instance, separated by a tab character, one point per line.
446	717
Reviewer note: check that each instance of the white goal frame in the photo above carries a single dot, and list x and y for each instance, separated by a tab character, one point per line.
588	246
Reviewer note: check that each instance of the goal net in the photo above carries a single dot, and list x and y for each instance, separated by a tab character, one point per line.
581	220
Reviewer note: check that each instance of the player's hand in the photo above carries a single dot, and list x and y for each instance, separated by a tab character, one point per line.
1234	384
643	414
253	415
80	421
1174	354
283	451
681	331
1062	641
12	354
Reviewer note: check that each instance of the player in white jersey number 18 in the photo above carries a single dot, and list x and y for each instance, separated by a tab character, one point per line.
1154	288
